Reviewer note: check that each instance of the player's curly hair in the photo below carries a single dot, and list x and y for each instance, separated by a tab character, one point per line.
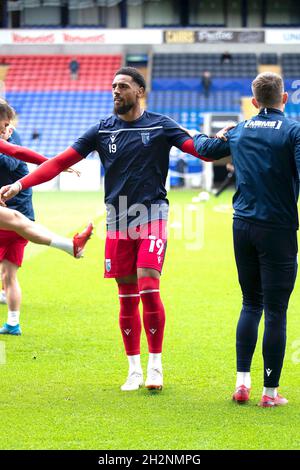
6	111
134	74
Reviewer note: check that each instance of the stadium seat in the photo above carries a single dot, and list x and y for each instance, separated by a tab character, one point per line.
47	100
60	117
193	65
45	73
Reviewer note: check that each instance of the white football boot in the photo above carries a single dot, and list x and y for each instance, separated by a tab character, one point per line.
154	379
134	382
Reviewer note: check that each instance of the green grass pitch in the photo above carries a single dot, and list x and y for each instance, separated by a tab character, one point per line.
60	386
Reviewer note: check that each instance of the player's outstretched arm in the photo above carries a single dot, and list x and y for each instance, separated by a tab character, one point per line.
21	153
180	137
189	147
48	170
213	148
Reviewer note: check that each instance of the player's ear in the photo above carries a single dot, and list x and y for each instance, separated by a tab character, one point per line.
255	103
141	92
285	97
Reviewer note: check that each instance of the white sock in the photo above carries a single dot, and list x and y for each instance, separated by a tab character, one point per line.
243	378
62	243
154	361
270	392
135	364
13	317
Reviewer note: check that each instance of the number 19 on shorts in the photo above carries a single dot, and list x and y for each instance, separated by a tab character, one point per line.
156	243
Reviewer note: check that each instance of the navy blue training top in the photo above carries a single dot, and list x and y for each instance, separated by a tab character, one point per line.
266	155
12	170
135	157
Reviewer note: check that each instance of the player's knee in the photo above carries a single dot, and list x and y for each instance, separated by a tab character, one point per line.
132	279
252	303
277	300
9	278
252	299
275	312
129	299
15	218
3	274
149	289
148	273
148	283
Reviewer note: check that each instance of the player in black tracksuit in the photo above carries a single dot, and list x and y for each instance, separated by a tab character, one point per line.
266	156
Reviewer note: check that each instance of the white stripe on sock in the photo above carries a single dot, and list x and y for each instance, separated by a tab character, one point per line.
129	295
148	291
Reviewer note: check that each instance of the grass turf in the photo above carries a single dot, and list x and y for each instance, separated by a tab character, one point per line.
59	387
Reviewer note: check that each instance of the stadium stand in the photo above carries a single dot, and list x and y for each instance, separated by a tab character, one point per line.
48	102
59	116
193	65
267	58
193	101
45	73
58	109
290	64
177	89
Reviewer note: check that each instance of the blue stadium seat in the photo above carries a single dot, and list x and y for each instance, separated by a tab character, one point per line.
59	116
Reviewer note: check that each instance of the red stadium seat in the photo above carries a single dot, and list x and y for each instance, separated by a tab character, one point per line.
46	73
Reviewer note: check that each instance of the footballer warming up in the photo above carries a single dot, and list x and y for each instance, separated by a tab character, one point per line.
134	147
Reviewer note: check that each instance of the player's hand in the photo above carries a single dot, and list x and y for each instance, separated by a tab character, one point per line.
9	191
222	133
230	167
73	170
187	131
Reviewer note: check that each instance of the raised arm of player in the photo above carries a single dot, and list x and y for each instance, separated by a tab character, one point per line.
45	172
84	145
53	166
189	147
211	147
182	139
21	153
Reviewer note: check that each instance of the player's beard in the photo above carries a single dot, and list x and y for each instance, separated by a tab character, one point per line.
123	108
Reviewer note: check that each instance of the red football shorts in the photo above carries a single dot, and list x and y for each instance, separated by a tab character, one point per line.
12	247
140	247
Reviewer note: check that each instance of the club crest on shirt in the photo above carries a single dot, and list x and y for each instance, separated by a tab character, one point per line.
145	137
107	265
